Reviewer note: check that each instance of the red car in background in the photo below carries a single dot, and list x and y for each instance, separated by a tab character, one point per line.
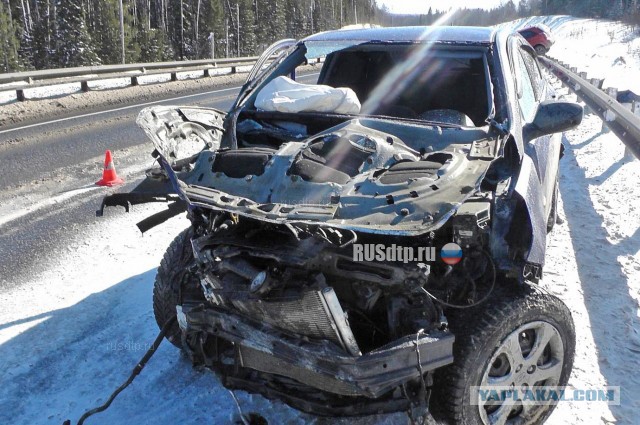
539	37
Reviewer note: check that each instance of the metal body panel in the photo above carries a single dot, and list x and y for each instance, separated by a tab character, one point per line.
322	366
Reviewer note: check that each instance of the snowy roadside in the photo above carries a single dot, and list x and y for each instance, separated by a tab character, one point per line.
72	334
607	50
593	265
593	258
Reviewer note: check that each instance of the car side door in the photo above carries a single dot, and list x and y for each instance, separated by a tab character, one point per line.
532	89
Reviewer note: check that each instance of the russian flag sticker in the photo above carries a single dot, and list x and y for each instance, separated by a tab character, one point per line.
451	253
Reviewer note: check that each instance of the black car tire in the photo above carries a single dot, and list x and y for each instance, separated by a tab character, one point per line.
480	332
541	50
172	279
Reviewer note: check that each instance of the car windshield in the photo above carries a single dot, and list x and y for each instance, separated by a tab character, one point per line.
429	82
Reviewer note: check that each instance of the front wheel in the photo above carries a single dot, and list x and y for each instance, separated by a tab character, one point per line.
541	50
522	341
173	280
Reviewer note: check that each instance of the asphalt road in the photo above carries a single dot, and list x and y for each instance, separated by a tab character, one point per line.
30	152
47	171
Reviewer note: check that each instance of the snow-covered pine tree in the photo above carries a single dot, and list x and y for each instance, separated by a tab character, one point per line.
296	22
247	28
73	44
131	28
616	10
106	31
323	18
26	51
262	11
212	21
154	46
43	38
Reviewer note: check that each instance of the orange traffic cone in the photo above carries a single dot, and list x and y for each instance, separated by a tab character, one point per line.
109	175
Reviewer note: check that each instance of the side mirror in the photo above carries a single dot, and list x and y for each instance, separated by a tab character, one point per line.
554	117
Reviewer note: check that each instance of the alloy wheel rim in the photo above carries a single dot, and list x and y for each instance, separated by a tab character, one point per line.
528	358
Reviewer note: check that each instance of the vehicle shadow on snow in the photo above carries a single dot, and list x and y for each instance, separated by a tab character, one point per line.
584	143
74	358
612	311
604	176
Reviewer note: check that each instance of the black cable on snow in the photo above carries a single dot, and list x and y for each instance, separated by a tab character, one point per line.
135	372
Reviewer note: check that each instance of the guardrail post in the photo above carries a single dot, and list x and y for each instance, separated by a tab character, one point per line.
613	92
616	118
84	86
20	95
583	75
207	72
134	81
174	76
596	82
234	69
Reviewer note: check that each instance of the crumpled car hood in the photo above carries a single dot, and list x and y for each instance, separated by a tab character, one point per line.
360	175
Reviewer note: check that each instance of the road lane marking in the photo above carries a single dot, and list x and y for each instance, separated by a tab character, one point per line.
45	203
132	172
113	110
123	108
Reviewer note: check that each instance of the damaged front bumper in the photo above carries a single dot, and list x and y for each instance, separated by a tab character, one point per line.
321	364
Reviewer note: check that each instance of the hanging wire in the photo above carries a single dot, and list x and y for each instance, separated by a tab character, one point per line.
493	284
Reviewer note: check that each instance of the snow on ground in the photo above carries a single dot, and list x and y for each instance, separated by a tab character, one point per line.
593	264
70	335
594	257
607	50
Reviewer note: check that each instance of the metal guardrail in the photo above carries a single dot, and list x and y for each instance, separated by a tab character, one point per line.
620	120
83	75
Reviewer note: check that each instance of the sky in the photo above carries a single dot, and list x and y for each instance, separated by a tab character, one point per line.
422	6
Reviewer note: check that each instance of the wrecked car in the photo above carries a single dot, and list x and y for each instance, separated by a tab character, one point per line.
412	137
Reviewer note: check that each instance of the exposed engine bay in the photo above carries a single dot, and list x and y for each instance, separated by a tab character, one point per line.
275	296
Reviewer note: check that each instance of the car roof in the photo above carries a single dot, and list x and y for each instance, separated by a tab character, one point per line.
453	35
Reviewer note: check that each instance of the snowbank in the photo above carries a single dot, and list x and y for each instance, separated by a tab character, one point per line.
607	50
593	264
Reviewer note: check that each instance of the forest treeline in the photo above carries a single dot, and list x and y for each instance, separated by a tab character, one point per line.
41	34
